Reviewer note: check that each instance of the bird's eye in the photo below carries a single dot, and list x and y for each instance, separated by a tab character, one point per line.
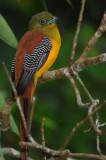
43	21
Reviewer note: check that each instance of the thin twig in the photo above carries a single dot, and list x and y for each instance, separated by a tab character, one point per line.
97	126
96	36
43	139
85	89
77	93
80	123
98	136
87	155
42	133
77	32
93	125
98	145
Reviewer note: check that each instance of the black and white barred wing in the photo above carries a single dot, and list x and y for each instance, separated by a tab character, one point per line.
32	63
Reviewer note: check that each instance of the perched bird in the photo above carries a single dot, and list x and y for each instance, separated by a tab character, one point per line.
36	52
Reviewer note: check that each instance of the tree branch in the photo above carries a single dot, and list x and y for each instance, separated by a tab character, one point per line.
62	154
96	36
43	140
82	63
77	32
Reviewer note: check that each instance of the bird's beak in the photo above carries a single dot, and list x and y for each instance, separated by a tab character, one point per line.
53	20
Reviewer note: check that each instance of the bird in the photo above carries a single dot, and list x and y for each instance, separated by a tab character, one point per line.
36	52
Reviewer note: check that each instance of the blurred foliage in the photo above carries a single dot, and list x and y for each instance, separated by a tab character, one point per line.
55	100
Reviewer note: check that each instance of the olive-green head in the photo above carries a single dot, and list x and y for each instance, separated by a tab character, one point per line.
42	21
46	23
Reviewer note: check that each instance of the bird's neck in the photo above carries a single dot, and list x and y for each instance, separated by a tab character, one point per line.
53	33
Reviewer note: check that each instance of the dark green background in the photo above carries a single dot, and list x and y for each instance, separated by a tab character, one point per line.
55	100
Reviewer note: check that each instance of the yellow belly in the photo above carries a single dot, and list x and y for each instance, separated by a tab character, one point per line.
51	58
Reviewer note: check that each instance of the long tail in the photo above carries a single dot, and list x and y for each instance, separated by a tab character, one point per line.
26	110
25	101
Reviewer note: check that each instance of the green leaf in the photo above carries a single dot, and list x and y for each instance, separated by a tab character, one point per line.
70	3
13	126
6	33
